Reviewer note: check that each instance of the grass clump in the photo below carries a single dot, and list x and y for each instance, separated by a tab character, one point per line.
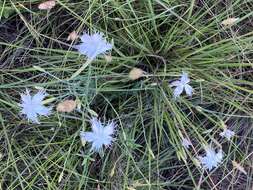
162	38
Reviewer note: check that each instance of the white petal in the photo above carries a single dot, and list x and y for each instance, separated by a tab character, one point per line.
100	135
188	89
38	97
88	136
227	134
42	110
96	125
219	156
96	146
32	106
32	116
26	97
205	162
107	141
186	143
178	90
93	45
109	129
184	78
212	159
85	37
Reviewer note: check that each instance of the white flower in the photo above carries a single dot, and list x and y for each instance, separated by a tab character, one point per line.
32	106
186	143
100	135
212	159
227	134
182	85
93	45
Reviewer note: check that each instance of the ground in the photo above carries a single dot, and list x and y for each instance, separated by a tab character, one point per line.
163	38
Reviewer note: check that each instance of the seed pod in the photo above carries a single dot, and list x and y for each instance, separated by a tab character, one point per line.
72	36
47	5
229	21
135	73
66	106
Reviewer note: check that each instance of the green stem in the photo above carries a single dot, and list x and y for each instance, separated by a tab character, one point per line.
88	61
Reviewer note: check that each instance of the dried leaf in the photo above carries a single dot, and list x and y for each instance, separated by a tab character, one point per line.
229	21
136	73
196	162
72	36
154	84
108	58
130	188
113	171
66	106
48	100
78	104
60	177
39	88
239	167
47	5
92	112
83	141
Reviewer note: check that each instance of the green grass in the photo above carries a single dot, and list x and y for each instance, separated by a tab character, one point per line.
162	37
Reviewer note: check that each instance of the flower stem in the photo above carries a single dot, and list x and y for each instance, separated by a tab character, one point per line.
88	61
